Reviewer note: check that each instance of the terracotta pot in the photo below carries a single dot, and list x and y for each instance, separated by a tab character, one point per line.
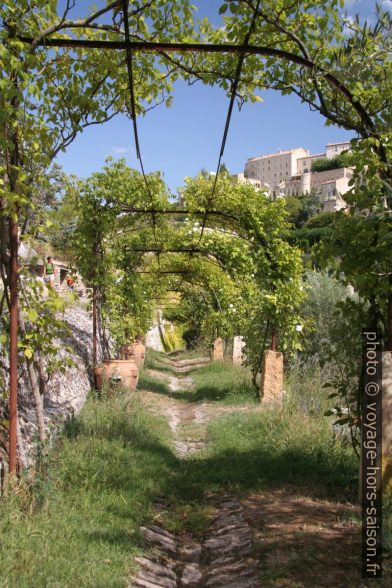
137	352
123	371
127	350
98	377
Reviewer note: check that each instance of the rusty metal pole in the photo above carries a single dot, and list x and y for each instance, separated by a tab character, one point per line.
13	278
95	316
13	348
94	326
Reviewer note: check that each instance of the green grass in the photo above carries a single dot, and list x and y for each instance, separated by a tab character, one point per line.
80	527
225	383
155	360
387	523
304	387
220	382
253	450
149	382
187	354
257	451
248	451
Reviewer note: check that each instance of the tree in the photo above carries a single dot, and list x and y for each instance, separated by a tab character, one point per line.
48	97
324	164
106	232
301	48
249	235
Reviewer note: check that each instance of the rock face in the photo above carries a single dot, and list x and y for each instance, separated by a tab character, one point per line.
65	393
153	339
271	386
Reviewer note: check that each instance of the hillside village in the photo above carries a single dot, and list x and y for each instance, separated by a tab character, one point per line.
295	171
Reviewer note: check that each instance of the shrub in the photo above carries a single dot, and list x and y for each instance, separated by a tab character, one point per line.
320	307
324	164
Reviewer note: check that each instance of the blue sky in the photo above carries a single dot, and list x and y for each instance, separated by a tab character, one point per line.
186	138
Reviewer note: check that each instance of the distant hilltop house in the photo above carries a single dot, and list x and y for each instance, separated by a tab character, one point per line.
34	263
294	172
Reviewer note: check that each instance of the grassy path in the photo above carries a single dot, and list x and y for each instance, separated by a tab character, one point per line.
213	545
188	453
292	481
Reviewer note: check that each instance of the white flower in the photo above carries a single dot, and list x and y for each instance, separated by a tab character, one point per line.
299	328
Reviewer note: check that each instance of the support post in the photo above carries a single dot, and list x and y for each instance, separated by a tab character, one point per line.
13	345
386	420
271	385
238	354
94	332
12	158
217	352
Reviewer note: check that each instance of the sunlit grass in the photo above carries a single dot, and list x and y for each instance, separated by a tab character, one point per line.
79	525
225	383
83	529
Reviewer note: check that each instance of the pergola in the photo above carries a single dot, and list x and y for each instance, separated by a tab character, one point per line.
130	48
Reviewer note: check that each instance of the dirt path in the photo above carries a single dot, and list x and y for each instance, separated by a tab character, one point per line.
280	538
224	556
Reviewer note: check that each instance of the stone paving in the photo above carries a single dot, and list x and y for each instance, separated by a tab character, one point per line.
223	557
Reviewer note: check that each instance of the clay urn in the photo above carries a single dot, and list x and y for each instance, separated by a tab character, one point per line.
123	372
137	352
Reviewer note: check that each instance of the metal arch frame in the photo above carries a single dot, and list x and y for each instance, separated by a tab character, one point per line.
149	46
129	46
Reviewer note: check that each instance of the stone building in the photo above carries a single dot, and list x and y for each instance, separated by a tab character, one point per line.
290	172
272	168
33	262
241	179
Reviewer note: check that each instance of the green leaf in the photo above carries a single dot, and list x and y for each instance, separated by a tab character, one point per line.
33	315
